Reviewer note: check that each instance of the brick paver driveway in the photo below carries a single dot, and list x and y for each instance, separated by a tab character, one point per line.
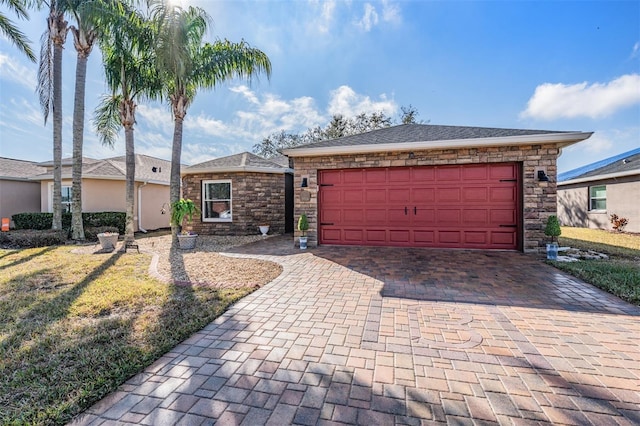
407	336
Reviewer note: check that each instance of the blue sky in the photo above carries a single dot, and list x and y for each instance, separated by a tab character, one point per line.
533	65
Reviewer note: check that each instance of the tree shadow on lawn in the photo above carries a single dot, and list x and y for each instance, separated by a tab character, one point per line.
26	258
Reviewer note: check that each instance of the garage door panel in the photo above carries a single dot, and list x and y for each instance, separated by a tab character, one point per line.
423	195
352	196
376	196
448	216
353	216
475	237
331	215
479	172
376	236
444	174
355	176
376	176
448	195
400	195
502	195
400	175
458	206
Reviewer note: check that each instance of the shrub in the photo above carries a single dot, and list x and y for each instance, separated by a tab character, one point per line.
618	223
553	227
33	238
42	221
303	224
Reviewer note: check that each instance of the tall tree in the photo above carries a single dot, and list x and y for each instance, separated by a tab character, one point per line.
13	33
84	35
130	74
186	64
50	93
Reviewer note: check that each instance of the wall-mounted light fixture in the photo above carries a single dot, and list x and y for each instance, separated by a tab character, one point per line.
412	155
304	183
542	176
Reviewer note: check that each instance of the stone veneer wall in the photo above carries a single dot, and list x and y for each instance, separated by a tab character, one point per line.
539	198
257	198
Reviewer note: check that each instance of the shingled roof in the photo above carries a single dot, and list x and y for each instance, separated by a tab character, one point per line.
148	169
242	162
12	169
626	164
407	136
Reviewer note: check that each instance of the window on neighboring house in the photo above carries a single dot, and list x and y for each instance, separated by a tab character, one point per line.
216	201
598	197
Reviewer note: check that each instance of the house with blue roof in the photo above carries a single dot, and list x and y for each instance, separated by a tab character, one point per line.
589	195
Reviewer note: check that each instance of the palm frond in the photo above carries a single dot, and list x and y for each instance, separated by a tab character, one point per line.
106	119
45	75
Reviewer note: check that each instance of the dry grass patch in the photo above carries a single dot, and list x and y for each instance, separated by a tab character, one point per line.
75	326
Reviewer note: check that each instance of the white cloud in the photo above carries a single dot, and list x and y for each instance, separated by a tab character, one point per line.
12	70
369	18
391	12
323	13
552	101
635	52
246	92
345	101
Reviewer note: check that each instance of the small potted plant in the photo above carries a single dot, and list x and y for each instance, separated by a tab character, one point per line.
303	225
264	229
552	230
182	210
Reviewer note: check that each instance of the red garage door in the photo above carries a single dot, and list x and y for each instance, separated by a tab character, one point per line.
465	206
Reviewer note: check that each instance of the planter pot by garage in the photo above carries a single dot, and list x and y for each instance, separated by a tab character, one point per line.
303	243
552	251
187	242
108	241
264	229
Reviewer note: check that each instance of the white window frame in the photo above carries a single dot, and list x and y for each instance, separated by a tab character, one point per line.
50	196
203	192
592	198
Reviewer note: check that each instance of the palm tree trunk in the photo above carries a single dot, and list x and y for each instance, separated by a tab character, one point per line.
77	228
174	185
130	160
57	136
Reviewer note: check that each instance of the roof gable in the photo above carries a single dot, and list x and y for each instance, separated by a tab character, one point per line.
244	161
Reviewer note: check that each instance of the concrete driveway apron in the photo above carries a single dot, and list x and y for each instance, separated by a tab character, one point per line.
377	336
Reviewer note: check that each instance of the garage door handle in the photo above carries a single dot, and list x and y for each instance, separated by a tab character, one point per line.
326	223
508	180
508	226
415	211
405	211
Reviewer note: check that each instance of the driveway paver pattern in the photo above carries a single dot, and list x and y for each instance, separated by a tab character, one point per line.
377	336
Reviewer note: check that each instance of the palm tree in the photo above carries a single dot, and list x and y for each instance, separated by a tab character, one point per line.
12	32
84	36
186	64
50	92
128	66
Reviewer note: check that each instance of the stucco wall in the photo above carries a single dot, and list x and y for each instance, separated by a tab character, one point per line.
19	197
100	195
256	198
623	197
539	198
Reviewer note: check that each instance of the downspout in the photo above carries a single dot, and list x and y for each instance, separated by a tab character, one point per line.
140	228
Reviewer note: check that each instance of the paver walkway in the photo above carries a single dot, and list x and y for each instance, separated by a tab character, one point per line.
379	336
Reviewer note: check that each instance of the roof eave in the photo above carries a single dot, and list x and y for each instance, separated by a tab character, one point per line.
600	177
99	177
247	169
563	139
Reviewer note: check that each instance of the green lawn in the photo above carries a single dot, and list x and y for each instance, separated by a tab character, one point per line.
73	327
620	274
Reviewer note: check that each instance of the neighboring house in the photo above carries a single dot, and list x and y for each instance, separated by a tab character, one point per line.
589	197
238	193
430	186
103	188
18	193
